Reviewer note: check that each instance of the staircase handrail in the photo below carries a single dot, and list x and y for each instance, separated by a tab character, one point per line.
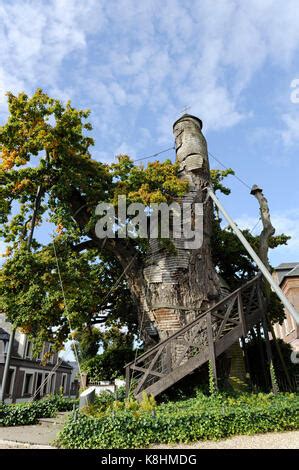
196	320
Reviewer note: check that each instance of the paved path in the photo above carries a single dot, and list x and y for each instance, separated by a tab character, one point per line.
37	436
273	440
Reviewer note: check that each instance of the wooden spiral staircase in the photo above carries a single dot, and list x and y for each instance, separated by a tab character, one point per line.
202	340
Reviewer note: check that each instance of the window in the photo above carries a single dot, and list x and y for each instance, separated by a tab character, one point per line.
28	351
51	358
52	383
63	382
46	384
47	347
289	324
47	350
28	384
40	356
10	382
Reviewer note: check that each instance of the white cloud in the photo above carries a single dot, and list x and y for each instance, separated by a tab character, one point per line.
124	58
36	37
288	223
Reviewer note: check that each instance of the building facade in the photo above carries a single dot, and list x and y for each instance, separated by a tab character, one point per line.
28	376
287	276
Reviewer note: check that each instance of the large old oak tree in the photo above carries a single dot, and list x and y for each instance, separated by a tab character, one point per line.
46	164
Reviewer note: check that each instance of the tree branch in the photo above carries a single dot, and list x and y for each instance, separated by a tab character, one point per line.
122	249
268	229
88	244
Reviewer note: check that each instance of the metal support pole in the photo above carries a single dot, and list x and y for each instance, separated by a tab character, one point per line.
7	364
291	309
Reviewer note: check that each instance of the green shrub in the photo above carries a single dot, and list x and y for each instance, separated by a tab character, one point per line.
15	415
108	365
61	403
26	413
186	421
21	414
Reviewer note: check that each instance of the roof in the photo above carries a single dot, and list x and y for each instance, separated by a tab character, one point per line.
186	116
294	272
4	334
285	270
66	364
286	266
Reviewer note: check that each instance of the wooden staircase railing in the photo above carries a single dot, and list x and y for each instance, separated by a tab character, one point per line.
203	339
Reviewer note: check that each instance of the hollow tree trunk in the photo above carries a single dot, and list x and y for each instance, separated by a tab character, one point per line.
179	284
170	287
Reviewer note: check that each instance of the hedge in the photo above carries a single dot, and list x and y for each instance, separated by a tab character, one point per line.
183	422
21	414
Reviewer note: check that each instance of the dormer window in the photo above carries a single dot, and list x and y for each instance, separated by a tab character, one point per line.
28	351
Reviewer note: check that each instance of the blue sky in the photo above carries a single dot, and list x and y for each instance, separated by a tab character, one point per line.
136	65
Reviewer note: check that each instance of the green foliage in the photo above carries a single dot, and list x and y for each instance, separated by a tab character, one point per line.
108	365
273	378
148	402
201	418
60	402
18	415
259	379
102	402
31	297
114	402
87	342
21	414
156	183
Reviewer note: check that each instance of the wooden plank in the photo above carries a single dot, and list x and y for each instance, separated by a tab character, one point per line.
188	343
128	376
149	370
212	356
176	375
241	314
253	291
221	317
224	321
226	341
142	369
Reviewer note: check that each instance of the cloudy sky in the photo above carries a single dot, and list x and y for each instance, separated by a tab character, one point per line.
137	65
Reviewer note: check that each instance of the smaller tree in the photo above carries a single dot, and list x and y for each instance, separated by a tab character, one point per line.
118	350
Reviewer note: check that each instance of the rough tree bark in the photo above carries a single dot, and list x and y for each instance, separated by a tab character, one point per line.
181	284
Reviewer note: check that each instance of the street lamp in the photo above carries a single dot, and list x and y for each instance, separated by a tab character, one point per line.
6	338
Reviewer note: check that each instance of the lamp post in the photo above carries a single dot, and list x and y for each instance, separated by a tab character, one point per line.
7	364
